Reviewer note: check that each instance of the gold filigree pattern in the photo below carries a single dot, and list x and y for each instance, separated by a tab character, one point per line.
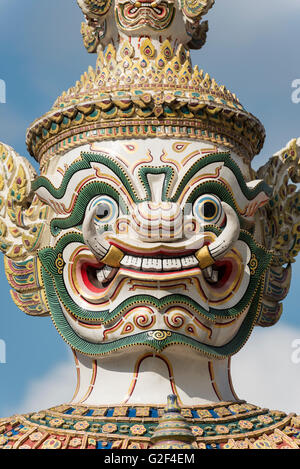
159	335
59	263
245	426
144	86
253	264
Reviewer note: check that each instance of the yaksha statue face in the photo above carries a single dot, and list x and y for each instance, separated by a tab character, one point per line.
151	246
150	240
148	228
160	19
133	15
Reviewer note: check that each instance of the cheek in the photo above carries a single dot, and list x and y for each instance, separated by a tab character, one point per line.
122	226
191	227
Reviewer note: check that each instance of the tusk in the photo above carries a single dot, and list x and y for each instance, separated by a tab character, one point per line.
229	235
207	255
102	250
98	247
113	257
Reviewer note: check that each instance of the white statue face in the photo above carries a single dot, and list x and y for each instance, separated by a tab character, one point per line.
154	204
160	19
144	16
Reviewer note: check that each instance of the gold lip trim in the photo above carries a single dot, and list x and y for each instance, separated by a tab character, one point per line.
113	257
126	244
204	257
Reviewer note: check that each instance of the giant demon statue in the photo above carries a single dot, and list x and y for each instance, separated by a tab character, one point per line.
150	240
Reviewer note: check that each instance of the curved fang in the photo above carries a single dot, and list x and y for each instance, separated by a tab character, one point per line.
209	254
102	250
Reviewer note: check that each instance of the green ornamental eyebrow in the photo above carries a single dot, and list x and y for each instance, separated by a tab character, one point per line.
84	197
83	164
225	158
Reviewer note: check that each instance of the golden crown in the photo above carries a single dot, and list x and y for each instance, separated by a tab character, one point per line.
148	89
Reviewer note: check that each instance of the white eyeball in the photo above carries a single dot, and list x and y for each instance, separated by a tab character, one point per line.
208	209
106	212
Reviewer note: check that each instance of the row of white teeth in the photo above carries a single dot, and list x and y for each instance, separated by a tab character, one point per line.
134	10
157	265
141	4
150	264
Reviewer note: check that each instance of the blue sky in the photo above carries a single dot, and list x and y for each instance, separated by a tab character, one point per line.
252	48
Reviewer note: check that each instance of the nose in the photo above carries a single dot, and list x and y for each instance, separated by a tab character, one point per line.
158	221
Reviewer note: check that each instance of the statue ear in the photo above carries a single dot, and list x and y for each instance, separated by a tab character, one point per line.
91	10
282	214
194	11
261	199
277	285
22	226
94	29
22	215
281	230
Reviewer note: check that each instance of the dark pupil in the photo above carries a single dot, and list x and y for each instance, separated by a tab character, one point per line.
209	210
102	211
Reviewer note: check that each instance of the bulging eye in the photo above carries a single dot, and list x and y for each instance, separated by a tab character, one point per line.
106	210
208	209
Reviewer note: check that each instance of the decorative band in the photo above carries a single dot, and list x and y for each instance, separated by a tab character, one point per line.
176	128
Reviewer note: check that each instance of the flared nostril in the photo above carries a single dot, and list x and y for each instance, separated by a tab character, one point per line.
158	221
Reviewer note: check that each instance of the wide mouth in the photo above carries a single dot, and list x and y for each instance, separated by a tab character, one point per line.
96	286
98	278
146	13
138	7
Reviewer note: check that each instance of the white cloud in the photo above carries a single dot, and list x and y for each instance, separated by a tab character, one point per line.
55	387
263	373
